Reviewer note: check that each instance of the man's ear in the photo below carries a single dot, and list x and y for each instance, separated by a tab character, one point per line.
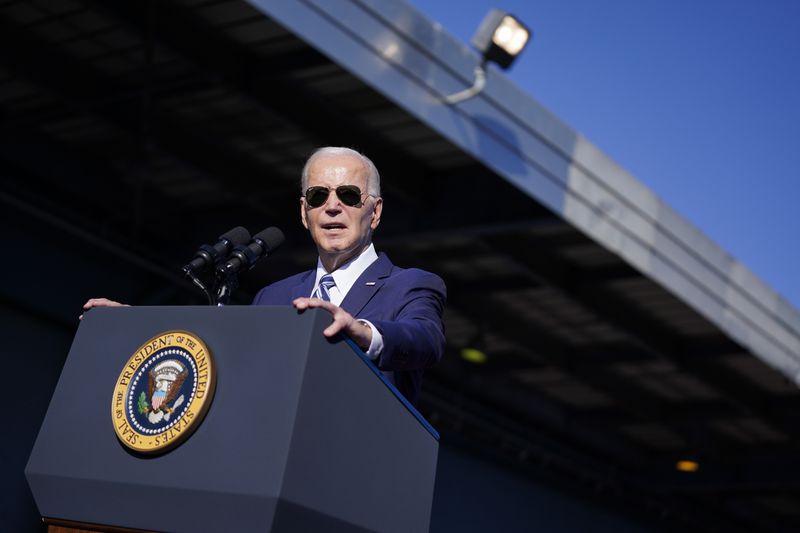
376	213
303	213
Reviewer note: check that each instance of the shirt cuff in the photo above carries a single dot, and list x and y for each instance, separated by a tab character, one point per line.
376	345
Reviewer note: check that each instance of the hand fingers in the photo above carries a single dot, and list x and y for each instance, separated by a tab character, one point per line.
312	303
91	302
101	302
340	321
300	303
341	318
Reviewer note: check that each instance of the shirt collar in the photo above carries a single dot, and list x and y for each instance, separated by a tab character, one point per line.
346	275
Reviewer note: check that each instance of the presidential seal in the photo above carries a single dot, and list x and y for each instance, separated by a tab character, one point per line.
163	392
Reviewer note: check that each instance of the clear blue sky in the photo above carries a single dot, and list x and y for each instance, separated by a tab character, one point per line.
700	100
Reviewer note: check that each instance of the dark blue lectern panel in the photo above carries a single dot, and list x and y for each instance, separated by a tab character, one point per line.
301	435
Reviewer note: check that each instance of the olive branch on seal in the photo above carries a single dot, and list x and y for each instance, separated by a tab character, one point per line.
142	404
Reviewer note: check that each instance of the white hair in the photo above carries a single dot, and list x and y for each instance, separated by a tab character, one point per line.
373	178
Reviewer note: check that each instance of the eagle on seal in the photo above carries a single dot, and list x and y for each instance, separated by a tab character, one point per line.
164	383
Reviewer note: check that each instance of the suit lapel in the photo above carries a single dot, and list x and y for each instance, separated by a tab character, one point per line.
306	285
367	284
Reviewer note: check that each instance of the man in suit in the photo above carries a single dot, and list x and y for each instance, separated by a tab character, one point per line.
393	314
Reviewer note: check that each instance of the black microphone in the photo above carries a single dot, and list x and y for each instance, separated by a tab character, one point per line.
208	256
244	257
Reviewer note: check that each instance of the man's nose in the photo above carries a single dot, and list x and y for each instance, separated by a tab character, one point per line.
332	203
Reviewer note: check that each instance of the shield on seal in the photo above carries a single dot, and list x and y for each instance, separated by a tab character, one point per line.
166	379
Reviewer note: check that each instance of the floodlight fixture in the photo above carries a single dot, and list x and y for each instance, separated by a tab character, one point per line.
500	38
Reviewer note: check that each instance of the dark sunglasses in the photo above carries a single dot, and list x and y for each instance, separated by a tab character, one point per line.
349	195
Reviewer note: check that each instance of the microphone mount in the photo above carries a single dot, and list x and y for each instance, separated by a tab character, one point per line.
243	258
215	269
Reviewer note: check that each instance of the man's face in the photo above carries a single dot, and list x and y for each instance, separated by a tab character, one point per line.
340	231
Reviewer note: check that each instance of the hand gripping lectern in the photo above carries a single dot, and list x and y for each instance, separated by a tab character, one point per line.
300	434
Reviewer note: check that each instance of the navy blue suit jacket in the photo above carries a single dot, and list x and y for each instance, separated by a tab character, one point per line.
405	305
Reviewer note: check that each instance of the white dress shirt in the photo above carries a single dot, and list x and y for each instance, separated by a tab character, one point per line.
345	277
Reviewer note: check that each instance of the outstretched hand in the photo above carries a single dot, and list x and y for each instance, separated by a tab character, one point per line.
100	302
343	322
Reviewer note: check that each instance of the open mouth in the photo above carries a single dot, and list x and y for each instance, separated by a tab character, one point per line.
333	226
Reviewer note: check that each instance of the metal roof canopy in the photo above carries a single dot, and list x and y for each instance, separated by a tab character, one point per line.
619	337
414	62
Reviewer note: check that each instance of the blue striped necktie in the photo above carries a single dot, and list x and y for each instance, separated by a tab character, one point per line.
325	284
